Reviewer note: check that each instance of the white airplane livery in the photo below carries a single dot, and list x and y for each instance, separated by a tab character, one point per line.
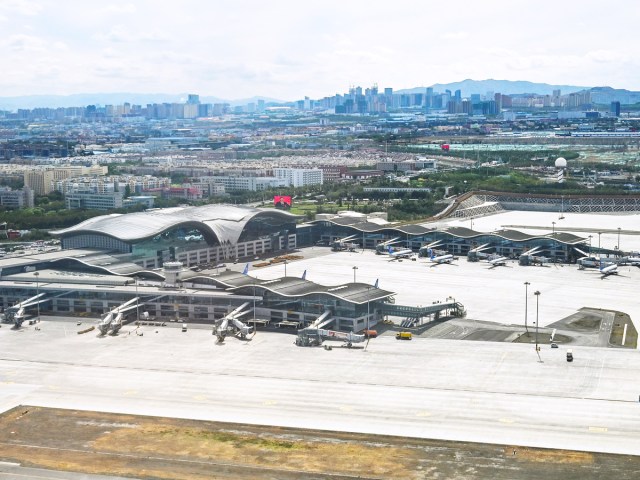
606	270
447	258
397	254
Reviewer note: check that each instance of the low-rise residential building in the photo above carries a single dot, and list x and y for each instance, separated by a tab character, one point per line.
95	201
299	177
22	198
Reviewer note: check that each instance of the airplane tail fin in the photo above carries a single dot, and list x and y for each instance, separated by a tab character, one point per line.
376	284
304	275
246	269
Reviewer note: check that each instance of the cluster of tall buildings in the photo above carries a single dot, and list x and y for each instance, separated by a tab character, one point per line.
356	101
371	100
192	108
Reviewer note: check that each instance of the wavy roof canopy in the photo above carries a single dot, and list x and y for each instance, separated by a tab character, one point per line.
224	222
460	232
294	287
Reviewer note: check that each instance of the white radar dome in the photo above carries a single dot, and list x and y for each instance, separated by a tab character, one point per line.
561	162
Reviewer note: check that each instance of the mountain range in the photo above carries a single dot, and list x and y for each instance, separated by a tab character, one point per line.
507	87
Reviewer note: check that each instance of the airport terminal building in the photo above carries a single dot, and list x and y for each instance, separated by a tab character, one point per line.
108	260
556	246
191	235
172	260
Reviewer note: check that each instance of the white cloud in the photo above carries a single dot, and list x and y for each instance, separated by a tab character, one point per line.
22	7
119	9
121	33
23	43
456	35
240	48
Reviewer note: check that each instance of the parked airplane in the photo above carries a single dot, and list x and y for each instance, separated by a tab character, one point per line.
446	258
590	261
606	270
398	254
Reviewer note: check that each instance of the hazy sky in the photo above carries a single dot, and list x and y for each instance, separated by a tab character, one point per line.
288	49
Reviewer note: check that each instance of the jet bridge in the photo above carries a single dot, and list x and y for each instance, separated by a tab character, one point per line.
310	337
111	322
314	334
414	315
230	323
16	313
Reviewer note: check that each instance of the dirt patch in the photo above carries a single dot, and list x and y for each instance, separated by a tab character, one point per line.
586	322
621	321
164	448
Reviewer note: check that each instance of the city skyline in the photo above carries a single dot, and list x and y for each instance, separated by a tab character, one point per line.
242	49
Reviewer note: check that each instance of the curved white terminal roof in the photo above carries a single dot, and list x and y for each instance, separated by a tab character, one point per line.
225	222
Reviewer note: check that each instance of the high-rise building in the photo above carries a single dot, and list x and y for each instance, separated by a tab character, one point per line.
40	181
615	108
498	99
193	99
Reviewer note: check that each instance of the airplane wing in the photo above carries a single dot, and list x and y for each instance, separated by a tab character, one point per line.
532	251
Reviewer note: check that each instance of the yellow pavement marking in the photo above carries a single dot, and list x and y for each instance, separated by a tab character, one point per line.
598	429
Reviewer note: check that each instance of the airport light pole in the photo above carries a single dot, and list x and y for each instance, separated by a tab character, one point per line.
553	227
599	233
526	304
285	267
368	335
37	275
137	300
619	238
354	273
590	244
537	294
